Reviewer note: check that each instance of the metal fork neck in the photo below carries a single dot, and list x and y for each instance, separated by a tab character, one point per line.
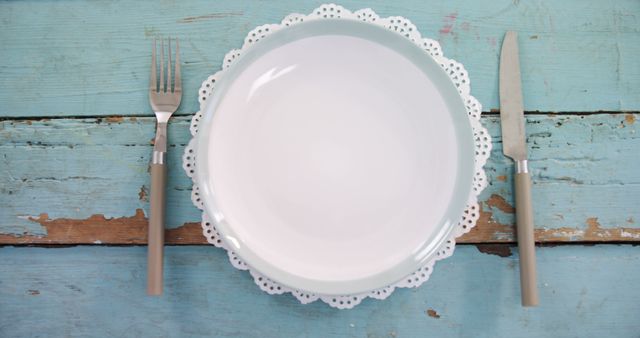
162	116
160	143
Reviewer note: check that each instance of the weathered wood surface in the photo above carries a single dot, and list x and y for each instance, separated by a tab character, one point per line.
91	59
99	292
70	181
78	179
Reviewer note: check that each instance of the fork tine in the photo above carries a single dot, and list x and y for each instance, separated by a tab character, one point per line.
153	81
163	87
178	81
169	67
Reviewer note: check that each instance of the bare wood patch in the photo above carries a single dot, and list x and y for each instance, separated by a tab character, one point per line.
499	202
433	314
97	229
630	118
114	119
488	230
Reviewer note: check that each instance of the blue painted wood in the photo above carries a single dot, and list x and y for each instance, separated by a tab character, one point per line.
582	167
88	58
91	58
99	292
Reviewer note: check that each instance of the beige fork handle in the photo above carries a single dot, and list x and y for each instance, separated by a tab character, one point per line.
526	240
156	230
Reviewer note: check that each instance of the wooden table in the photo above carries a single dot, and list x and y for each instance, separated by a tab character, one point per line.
75	134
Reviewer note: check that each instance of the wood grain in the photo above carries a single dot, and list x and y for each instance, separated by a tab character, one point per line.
93	59
70	181
75	179
100	292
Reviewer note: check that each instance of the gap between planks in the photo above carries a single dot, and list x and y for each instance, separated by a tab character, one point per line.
115	117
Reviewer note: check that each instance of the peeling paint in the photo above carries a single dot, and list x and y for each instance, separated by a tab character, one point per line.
501	178
114	119
98	229
497	201
432	313
593	222
630	118
488	230
25	217
573	235
143	195
626	234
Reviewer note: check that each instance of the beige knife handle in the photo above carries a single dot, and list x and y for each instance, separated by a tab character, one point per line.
526	240
156	229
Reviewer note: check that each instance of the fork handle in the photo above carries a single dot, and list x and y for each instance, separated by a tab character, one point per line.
156	221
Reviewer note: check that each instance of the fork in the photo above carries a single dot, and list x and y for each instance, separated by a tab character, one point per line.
164	100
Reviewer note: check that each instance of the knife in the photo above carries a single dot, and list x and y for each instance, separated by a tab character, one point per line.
514	146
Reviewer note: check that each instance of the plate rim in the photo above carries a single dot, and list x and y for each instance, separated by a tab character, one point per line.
462	126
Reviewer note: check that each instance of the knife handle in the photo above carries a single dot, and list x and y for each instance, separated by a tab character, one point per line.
526	240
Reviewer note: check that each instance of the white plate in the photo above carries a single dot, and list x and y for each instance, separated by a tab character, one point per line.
335	157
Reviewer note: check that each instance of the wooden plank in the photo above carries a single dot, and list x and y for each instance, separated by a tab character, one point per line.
99	292
70	181
93	58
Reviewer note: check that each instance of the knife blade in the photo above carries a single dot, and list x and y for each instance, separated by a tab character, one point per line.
511	107
514	146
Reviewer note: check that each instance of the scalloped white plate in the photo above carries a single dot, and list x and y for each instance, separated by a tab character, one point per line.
337	158
336	155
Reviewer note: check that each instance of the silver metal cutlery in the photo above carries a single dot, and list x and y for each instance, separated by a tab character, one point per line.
164	96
